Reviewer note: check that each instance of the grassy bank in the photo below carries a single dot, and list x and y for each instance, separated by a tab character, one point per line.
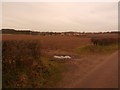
52	72
96	49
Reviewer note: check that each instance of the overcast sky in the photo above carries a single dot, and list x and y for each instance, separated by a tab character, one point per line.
46	16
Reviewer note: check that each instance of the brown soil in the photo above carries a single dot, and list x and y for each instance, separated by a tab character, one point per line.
91	72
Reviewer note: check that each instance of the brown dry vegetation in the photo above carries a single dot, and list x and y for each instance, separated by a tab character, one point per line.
24	66
104	41
28	47
52	42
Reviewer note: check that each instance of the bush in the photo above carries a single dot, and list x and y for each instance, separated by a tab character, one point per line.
25	67
104	41
18	56
20	53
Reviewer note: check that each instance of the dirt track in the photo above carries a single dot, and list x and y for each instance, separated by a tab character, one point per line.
98	73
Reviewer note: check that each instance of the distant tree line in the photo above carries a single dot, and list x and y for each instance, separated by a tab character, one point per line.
13	31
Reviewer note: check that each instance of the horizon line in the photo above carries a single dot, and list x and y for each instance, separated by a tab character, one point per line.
61	31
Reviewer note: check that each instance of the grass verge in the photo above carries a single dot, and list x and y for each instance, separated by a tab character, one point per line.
51	73
96	49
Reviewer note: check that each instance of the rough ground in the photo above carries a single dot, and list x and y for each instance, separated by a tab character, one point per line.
91	72
82	71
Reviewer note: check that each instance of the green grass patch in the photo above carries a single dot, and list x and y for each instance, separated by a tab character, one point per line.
97	49
52	72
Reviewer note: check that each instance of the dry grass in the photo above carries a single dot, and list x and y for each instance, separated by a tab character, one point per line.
52	42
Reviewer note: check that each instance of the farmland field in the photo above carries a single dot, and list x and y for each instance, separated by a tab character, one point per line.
85	56
58	42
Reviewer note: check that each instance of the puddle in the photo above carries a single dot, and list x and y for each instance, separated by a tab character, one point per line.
62	57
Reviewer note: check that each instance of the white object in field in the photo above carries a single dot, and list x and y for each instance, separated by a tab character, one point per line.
62	57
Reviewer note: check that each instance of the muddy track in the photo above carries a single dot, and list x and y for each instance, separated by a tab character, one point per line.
91	72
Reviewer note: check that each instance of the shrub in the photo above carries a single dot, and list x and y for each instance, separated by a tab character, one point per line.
18	56
104	41
25	67
20	53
